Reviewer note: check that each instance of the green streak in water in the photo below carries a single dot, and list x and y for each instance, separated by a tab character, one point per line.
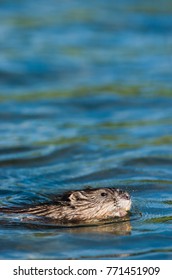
169	202
117	89
63	141
159	219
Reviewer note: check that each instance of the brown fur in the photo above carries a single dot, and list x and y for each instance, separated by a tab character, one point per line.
81	206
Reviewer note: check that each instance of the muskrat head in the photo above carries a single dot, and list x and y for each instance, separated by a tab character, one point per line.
100	203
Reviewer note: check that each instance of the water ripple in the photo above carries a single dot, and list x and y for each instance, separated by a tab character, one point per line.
85	99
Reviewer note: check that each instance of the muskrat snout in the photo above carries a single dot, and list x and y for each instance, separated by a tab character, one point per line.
123	194
124	200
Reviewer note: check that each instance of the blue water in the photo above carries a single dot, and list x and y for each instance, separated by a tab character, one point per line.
86	99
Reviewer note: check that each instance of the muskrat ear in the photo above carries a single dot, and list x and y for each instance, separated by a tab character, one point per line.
76	196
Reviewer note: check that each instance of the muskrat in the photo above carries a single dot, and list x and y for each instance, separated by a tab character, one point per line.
80	206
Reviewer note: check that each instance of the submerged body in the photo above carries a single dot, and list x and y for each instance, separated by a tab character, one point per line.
81	206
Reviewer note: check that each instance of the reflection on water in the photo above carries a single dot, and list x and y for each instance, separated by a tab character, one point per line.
118	227
85	99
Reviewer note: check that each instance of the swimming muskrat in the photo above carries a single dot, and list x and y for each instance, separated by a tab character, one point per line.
80	206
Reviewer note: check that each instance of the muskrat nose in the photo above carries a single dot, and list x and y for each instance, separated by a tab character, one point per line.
124	194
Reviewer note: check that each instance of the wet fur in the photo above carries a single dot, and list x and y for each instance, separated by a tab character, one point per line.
80	206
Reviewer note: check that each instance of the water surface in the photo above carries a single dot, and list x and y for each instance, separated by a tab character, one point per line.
85	99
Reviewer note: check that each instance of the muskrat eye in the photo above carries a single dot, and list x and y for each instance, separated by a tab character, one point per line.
103	194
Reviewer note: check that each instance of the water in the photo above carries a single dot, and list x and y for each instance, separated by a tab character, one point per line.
85	99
